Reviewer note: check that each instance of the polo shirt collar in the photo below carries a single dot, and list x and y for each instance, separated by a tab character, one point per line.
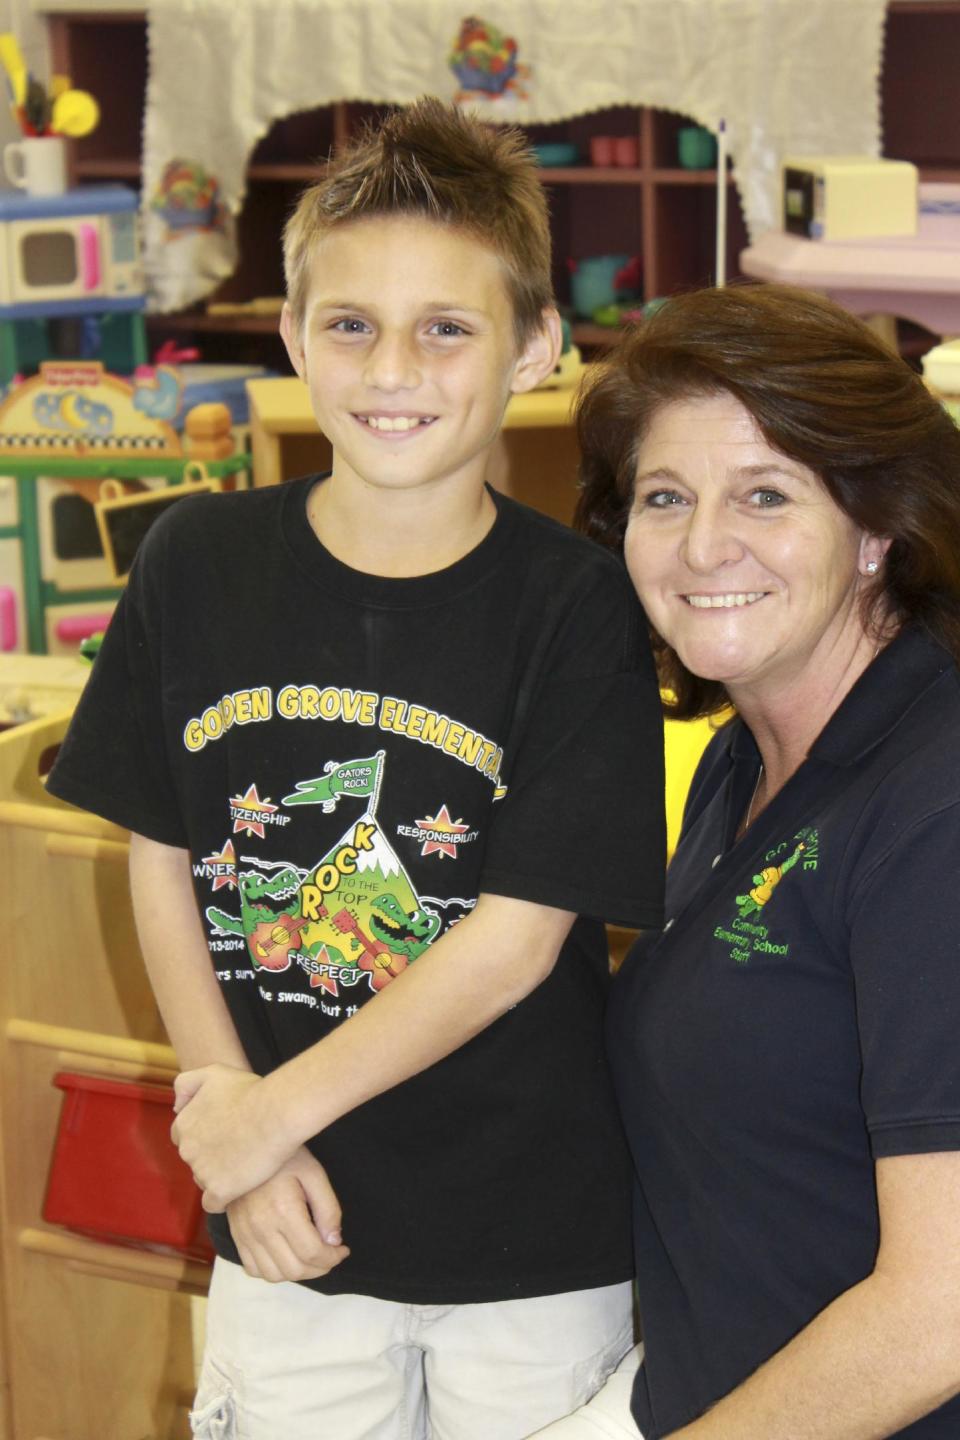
897	680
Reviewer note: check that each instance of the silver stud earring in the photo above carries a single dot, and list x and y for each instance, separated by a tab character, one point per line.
872	566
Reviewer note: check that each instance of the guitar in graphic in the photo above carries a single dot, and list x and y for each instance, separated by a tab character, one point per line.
377	958
272	940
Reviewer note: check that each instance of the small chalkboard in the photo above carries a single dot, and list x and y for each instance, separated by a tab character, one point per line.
123	519
73	527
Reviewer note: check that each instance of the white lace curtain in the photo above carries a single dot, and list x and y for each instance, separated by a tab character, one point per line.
796	76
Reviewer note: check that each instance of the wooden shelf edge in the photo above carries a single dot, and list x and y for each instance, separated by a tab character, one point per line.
286	170
676	175
586	332
90	1043
590	174
87	847
304	171
105	167
297	170
64	821
116	1262
227	324
76	1063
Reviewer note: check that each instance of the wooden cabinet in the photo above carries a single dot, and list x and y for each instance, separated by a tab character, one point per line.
918	92
95	1339
654	209
657	210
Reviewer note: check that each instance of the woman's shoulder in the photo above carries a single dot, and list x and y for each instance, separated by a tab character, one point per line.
906	791
918	756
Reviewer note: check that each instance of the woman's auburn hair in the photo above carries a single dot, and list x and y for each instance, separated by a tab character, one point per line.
824	390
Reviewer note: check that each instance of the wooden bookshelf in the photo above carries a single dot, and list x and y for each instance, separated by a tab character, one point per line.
655	209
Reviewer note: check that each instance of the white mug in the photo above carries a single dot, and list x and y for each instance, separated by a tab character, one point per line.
37	164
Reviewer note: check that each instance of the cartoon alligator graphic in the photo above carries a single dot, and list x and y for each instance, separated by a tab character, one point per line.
405	933
271	921
270	918
399	936
765	883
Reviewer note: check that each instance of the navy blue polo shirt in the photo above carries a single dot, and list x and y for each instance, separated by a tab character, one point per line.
796	1021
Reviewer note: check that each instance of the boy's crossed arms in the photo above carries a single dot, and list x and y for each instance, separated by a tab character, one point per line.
244	1135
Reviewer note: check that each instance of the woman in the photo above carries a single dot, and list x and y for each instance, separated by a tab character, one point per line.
787	496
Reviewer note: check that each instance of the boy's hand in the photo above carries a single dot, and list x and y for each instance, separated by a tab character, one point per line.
226	1133
289	1228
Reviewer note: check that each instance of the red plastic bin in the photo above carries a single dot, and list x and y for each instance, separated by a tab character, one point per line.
116	1174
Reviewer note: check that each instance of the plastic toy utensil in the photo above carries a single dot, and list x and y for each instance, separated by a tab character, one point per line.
75	113
11	59
36	107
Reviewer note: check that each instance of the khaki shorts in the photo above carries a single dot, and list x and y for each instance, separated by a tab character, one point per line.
285	1363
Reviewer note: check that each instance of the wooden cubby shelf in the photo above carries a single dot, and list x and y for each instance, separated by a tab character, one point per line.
95	1337
656	209
114	1262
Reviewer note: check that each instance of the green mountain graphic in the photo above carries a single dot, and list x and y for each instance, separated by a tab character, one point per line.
364	918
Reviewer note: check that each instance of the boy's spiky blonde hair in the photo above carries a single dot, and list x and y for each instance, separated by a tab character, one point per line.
434	161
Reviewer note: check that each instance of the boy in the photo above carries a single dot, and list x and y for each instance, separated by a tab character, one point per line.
386	736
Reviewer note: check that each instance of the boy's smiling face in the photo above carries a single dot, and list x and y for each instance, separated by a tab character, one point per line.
409	350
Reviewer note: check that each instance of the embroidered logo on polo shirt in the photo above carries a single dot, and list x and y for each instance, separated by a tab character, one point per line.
440	834
747	934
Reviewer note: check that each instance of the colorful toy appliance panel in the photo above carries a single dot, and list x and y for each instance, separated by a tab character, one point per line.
63	433
849	197
74	410
70	253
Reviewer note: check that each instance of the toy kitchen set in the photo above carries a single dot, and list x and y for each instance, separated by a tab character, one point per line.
80	405
71	283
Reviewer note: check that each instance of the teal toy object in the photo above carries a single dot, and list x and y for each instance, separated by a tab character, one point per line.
602	280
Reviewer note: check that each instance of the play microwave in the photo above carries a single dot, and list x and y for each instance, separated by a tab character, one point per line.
848	197
68	250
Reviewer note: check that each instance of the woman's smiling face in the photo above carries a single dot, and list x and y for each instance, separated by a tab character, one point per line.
743	562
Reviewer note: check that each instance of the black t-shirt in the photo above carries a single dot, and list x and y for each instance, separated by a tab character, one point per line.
796	1021
351	760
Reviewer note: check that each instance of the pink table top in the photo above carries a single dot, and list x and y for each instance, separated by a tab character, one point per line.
914	276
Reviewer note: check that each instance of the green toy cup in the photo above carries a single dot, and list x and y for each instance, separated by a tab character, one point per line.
696	147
